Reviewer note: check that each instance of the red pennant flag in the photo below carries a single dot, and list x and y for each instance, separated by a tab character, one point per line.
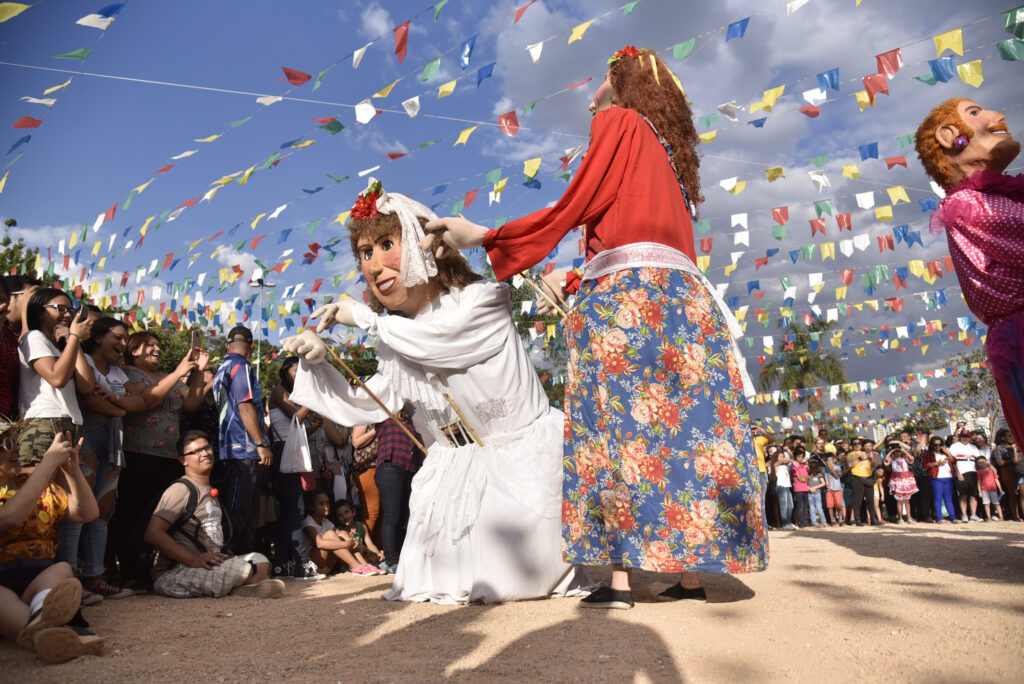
278	268
875	83
109	216
124	279
509	124
396	155
947	261
316	285
165	169
401	39
366	296
549	267
935	268
27	122
895	161
760	261
846	275
844	221
889	62
214	237
758	295
256	241
899	282
582	246
296	78
325	120
168	259
577	85
761	360
705	244
885	242
817	226
781	215
521	10
470	198
811	110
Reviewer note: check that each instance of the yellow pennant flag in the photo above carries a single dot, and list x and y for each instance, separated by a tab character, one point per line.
773	173
55	88
738	188
9	10
193	245
953	40
873	303
342	217
531	167
679	84
728	269
103	262
864	100
3	181
464	136
851	171
145	226
224	181
245	176
210	138
703	262
917	267
970	73
214	253
223	277
285	265
446	89
883	213
96	248
861	351
384	92
828	251
924	349
708	137
499	187
257	220
73	241
928	277
577	32
352	274
94	288
897	193
142	187
837	340
768	101
304	143
272	323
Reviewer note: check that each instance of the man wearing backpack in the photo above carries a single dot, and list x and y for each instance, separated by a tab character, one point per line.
187	530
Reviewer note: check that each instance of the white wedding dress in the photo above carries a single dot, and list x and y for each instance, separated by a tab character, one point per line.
485	520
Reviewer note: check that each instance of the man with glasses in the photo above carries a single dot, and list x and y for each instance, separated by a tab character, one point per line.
19	290
965	454
244	444
188	533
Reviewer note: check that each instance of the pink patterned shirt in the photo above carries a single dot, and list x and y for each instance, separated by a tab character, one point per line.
984	222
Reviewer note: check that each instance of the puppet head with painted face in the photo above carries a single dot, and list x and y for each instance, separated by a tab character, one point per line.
960	137
385	230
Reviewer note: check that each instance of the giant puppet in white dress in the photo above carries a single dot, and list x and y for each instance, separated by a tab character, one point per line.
485	510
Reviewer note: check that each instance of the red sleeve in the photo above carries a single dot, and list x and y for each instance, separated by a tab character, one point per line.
519	244
573	282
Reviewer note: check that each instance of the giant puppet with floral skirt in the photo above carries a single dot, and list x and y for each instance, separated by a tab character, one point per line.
485	508
966	148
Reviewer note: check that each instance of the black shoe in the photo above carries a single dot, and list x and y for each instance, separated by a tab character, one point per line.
878	522
307	572
606	597
677	592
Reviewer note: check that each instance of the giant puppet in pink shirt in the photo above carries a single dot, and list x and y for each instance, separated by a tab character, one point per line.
965	148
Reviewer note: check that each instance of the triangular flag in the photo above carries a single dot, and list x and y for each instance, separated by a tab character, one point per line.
9	10
970	73
535	51
357	56
384	92
296	78
578	31
951	40
464	136
446	89
401	40
79	54
509	124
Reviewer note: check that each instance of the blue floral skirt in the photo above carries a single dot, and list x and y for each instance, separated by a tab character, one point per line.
659	469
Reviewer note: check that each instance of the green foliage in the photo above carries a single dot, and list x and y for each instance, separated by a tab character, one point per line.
15	257
798	367
977	392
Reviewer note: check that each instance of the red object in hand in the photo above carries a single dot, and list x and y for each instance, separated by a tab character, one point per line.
214	492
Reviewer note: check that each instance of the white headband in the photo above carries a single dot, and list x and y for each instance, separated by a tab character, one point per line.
418	264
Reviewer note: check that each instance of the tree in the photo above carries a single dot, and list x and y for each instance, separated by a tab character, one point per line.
977	392
802	364
15	257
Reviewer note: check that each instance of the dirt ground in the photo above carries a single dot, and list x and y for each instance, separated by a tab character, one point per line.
906	603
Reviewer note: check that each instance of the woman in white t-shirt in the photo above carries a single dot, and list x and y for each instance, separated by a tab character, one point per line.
49	375
102	430
784	489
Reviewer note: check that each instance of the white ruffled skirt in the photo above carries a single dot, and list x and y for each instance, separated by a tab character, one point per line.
485	522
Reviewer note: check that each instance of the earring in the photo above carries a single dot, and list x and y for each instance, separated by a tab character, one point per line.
960	142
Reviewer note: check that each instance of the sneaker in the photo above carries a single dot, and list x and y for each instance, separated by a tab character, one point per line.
363	570
789	527
90	598
677	592
108	591
285	570
269	588
59	606
606	597
307	572
975	518
389	568
61	644
376	569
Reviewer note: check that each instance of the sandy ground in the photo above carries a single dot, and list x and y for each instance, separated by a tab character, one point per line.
906	603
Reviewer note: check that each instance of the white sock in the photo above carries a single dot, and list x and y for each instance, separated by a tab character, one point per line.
37	601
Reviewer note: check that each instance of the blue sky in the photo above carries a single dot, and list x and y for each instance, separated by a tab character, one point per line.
106	136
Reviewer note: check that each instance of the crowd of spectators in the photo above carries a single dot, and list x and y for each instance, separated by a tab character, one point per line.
899	479
117	478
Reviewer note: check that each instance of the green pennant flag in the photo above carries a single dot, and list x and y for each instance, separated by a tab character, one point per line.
314	225
337	179
529	108
13	161
128	202
823	207
270	160
240	245
236	124
1013	21
927	79
807	251
457	208
500	221
844	309
320	77
494	176
107	283
819	161
881	273
682	50
1011	50
784	281
79	54
424	145
708	119
564	175
431	69
438	6
905	140
164	214
778	232
703	226
333	127
337	280
630	6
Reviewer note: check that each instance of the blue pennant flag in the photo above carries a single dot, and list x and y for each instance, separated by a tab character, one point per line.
829	79
736	29
466	52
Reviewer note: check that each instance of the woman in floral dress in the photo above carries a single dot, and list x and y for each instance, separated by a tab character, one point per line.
659	470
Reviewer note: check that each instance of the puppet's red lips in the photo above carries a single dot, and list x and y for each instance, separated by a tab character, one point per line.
385	285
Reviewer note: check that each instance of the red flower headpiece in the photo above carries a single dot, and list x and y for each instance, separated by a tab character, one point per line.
628	51
365	207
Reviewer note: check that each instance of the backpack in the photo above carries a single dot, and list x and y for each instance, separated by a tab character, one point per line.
147	553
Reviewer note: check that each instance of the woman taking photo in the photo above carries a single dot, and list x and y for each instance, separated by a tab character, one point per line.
941	468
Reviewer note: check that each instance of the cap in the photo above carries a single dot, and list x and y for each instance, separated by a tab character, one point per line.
964	433
240	331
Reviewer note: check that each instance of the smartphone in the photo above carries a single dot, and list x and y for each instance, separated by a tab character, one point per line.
197	339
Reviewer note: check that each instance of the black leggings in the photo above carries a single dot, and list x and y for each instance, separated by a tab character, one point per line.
864	491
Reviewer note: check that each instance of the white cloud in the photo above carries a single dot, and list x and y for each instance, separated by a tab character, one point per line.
376	22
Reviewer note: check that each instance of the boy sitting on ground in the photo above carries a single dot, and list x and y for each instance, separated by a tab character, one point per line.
188	534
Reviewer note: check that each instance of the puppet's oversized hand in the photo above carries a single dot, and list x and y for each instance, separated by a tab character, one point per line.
337	313
455	231
306	345
554	287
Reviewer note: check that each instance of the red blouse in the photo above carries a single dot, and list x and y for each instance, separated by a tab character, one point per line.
625	191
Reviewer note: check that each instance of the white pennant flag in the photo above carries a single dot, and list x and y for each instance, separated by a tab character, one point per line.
412	106
97	21
736	256
819	179
728	184
738	220
794	5
729	109
268	100
366	171
48	101
815	96
357	56
277	212
535	51
742	238
861	242
866	200
189	153
846	247
365	111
